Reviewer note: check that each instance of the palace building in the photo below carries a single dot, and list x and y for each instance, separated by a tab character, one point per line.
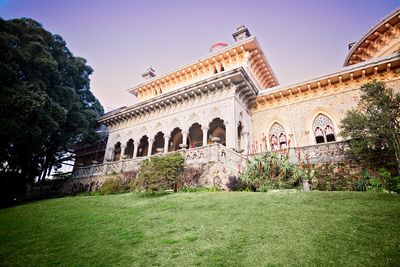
232	97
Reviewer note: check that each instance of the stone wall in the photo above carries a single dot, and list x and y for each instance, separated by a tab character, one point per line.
212	165
208	166
296	114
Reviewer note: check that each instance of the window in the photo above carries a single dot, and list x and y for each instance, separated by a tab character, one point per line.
323	129
277	137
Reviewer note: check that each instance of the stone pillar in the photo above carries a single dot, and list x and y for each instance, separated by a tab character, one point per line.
184	139
151	141
245	142
205	137
123	156
166	142
230	134
135	149
110	156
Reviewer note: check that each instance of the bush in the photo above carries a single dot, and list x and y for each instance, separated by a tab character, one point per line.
370	182
392	183
270	171
160	173
332	177
113	186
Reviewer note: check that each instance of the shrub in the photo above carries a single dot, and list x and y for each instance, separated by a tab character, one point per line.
113	186
159	173
235	184
369	182
332	177
270	171
190	176
392	183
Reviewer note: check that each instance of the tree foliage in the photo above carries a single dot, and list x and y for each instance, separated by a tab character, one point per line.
374	126
160	173
45	103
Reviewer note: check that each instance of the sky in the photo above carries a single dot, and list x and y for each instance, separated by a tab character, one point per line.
120	39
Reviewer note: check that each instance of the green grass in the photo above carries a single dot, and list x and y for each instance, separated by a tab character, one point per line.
205	229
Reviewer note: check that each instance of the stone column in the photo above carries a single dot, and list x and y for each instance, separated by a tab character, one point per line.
184	139
166	142
123	156
230	134
151	141
245	142
205	137
135	149
110	156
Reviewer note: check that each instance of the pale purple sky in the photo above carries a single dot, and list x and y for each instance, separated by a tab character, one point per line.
120	39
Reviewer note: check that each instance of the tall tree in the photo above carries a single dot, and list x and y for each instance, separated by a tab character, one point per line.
374	126
45	103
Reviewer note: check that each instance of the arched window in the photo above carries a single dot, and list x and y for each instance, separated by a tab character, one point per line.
323	129
277	137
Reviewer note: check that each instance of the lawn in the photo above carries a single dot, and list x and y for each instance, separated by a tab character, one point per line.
205	229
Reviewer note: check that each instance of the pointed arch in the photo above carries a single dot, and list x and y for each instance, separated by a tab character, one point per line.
330	114
193	118
277	138
128	135
143	131
214	113
116	138
323	129
174	123
158	127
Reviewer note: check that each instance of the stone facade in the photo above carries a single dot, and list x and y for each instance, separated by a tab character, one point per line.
232	97
297	113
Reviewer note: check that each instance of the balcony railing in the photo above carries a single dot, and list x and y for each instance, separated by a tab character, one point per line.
321	153
205	154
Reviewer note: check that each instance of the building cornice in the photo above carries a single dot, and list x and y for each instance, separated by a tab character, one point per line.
379	36
371	67
247	50
239	77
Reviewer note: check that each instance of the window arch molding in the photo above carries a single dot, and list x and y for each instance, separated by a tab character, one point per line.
326	112
271	125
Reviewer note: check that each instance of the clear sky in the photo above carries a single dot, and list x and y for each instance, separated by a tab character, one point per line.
122	38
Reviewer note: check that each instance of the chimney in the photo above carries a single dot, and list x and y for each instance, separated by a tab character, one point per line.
241	33
150	73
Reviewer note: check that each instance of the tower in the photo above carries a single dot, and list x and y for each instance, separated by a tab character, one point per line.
241	33
150	73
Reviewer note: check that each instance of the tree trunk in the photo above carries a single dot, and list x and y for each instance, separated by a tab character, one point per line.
397	150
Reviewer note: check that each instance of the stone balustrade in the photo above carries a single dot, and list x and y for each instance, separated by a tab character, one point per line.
321	153
199	155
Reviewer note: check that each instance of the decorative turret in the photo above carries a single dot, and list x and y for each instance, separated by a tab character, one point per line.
150	73
241	33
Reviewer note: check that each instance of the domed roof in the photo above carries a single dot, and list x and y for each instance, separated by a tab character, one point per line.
381	40
217	46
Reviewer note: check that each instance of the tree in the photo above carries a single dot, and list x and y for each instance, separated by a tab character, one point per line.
45	103
374	126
